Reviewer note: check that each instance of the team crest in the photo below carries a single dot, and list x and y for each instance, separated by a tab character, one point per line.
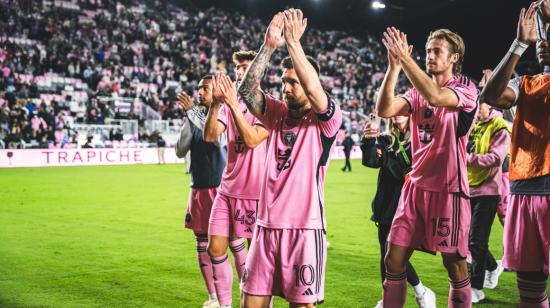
289	138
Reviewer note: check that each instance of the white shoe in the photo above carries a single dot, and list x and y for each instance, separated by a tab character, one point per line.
211	303
380	304
477	295
426	300
491	277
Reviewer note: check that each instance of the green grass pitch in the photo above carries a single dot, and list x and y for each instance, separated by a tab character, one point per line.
112	237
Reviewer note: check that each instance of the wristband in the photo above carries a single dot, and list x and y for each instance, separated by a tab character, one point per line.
518	48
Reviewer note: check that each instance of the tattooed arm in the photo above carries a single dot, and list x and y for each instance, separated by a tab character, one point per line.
249	88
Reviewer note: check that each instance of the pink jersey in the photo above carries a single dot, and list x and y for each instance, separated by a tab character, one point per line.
242	176
297	159
439	136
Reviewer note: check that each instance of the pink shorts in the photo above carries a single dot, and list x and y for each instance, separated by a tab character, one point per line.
286	262
527	234
233	217
431	221
505	197
198	209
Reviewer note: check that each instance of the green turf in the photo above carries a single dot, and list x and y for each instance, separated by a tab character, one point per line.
113	237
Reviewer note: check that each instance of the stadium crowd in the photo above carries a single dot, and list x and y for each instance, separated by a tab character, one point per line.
57	61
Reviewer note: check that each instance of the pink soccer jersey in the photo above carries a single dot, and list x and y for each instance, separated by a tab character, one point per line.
298	151
439	136
243	174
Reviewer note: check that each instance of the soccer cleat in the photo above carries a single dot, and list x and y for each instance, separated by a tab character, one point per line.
380	304
477	295
211	303
491	277
426	300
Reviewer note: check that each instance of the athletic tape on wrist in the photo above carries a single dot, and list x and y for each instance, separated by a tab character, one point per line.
518	47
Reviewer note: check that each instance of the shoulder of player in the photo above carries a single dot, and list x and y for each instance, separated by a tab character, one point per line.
464	82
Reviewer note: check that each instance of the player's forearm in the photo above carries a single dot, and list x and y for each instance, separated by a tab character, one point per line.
250	136
498	82
210	133
249	89
386	96
309	79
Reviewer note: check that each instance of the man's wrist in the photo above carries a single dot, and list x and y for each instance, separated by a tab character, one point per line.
268	48
407	60
394	69
292	44
518	47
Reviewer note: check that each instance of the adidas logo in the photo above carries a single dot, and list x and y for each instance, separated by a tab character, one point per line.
249	230
444	243
308	292
457	300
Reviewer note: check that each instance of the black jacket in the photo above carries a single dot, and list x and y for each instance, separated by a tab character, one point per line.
391	177
348	145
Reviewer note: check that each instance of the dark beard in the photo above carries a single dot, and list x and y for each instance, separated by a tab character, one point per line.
292	104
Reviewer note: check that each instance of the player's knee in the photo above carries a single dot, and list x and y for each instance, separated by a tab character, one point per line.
456	266
216	248
532	276
296	305
250	301
393	264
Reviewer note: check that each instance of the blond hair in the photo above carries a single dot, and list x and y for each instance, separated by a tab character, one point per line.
456	45
394	134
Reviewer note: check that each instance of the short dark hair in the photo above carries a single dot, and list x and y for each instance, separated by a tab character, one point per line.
286	63
243	55
206	77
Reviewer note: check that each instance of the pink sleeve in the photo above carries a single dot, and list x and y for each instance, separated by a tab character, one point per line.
274	110
467	94
330	120
500	142
258	122
411	96
222	116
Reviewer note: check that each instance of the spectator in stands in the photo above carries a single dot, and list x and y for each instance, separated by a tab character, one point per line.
115	49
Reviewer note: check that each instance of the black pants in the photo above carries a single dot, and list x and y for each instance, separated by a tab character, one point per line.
383	231
348	163
484	210
490	262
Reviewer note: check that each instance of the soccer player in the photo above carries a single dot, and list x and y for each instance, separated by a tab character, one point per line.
208	160
489	143
288	251
433	212
526	226
392	154
234	212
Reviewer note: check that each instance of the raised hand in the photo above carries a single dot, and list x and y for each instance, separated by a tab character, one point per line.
229	91
294	25
274	35
185	101
527	26
486	75
217	94
396	44
369	132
